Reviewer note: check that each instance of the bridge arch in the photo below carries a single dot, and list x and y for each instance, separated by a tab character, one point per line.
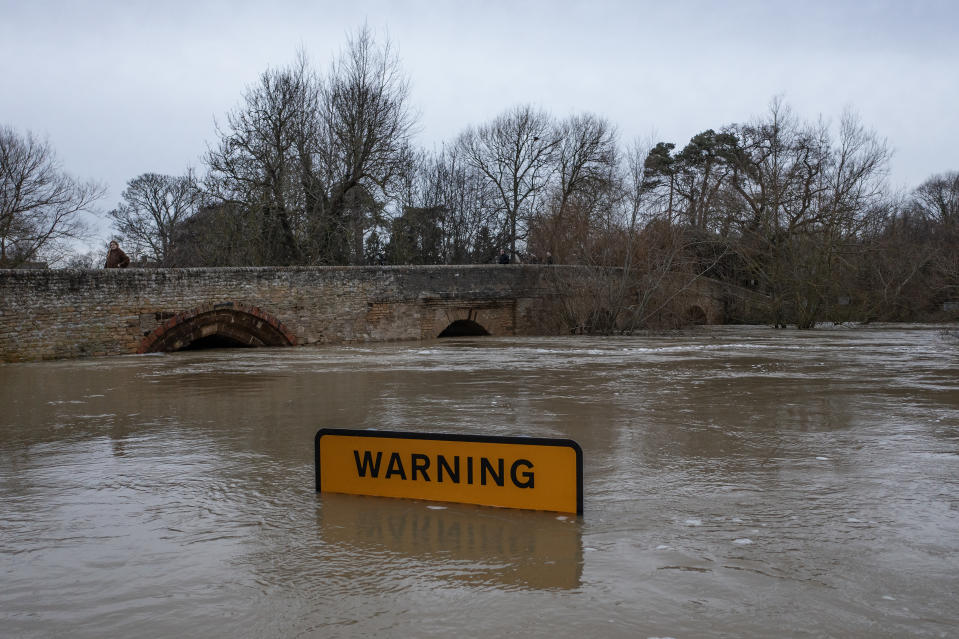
225	324
464	328
696	315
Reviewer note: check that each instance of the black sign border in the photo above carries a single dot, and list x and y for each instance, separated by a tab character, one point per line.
451	437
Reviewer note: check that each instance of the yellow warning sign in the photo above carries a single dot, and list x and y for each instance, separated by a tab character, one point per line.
509	472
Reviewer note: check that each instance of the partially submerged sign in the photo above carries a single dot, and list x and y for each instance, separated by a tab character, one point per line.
510	472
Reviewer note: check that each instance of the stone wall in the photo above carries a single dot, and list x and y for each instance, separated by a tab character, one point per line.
50	314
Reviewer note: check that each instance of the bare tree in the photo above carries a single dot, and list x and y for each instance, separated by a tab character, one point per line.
515	153
317	158
938	198
153	207
936	203
895	275
583	188
585	153
805	197
638	268
365	125
263	162
83	260
443	182
776	166
40	205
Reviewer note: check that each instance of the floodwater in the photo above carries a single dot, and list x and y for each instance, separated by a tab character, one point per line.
739	482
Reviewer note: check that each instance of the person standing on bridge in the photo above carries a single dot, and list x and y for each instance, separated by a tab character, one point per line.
116	258
503	257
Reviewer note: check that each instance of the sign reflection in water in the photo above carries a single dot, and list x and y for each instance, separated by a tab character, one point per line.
461	544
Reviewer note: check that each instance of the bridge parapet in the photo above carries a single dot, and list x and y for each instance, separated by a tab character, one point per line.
54	314
51	314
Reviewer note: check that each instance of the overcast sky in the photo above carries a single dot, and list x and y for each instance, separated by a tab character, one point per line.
127	87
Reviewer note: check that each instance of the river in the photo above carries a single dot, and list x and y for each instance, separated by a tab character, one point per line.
738	482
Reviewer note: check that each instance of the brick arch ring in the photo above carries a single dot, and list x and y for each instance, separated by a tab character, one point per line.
248	325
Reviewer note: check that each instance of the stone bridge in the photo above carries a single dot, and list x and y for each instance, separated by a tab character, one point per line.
52	314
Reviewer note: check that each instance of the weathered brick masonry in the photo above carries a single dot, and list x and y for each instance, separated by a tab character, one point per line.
50	314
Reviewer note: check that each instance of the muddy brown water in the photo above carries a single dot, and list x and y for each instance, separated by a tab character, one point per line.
739	482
